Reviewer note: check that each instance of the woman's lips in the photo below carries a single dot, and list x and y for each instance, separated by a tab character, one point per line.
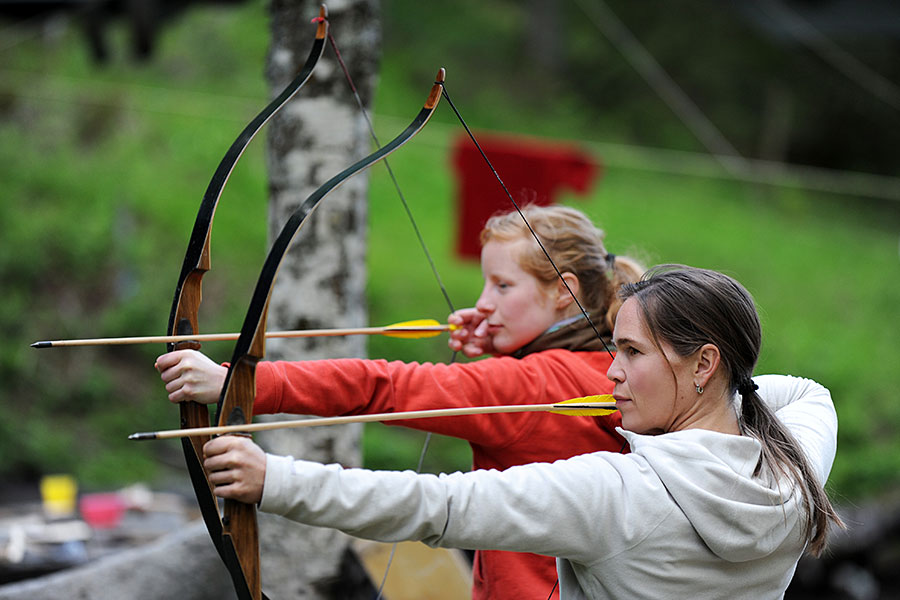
492	329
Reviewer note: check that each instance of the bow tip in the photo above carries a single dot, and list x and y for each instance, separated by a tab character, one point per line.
322	22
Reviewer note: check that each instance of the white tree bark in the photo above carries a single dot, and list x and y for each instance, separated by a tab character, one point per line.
322	280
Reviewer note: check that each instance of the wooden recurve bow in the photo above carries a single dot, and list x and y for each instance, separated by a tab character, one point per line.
183	318
235	407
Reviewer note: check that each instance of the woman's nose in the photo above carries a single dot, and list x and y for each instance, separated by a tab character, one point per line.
614	373
484	304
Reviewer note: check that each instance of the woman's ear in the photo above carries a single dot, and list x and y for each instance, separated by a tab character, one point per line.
563	297
708	359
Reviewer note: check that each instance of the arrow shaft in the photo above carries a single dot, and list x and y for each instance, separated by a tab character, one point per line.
375	418
214	337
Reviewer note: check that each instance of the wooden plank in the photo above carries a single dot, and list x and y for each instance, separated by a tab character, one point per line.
418	572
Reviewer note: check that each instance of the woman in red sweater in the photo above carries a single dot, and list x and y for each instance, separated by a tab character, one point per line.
543	351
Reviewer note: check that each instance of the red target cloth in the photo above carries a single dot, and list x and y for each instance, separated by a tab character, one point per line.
534	171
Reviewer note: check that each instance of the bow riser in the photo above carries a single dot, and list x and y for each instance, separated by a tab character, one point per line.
193	414
240	528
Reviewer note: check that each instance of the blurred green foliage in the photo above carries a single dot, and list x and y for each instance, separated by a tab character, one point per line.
103	168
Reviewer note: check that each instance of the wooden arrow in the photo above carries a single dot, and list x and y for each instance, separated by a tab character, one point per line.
585	406
421	328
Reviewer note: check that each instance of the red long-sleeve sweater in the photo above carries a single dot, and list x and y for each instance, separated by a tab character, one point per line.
355	386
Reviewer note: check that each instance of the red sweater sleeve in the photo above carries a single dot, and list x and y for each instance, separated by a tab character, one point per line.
357	386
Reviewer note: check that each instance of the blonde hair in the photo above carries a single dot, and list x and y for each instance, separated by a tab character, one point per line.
576	246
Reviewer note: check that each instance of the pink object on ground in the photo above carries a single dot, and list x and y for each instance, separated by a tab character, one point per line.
102	511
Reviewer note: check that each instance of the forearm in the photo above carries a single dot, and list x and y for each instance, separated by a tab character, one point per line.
320	387
475	510
352	501
354	386
806	409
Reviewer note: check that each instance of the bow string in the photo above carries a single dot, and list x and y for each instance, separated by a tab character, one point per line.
534	234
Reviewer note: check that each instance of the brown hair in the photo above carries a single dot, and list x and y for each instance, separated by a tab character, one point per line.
575	246
688	308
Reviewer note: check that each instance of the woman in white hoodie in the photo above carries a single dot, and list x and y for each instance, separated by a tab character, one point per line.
720	495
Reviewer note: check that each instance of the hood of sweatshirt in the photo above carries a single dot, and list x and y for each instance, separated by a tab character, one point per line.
740	516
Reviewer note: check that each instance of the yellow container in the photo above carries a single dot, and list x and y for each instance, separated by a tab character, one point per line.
58	493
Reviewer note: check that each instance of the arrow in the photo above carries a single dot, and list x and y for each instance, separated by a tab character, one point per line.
421	328
585	406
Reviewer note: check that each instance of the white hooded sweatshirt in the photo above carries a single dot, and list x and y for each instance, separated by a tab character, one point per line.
681	516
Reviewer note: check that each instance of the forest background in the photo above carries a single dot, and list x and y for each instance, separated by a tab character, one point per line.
103	166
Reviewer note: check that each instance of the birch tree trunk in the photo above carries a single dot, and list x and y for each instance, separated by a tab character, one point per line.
322	280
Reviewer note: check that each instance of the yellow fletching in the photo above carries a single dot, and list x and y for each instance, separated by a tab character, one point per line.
587	406
415	323
417	329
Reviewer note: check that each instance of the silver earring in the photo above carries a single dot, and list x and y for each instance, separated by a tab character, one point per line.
699	389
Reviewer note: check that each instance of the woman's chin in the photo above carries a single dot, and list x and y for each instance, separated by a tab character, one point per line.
502	346
629	423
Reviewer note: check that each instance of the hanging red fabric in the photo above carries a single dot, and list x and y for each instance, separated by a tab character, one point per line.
534	171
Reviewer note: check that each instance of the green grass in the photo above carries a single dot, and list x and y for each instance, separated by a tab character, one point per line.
103	169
